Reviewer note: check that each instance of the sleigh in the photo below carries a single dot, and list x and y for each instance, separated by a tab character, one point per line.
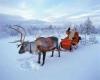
68	44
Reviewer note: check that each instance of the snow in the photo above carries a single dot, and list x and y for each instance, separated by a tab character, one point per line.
81	64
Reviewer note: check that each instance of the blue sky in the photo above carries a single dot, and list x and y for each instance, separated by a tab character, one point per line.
50	9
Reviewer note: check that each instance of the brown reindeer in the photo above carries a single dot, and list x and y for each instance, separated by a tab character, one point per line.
41	45
47	44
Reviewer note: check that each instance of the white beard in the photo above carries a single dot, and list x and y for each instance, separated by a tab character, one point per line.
71	35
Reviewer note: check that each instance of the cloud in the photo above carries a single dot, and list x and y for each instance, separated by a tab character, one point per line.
50	10
29	9
23	12
58	11
88	14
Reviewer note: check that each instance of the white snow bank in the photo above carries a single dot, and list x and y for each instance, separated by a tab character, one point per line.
81	64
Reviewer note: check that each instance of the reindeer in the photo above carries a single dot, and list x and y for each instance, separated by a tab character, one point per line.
41	45
47	44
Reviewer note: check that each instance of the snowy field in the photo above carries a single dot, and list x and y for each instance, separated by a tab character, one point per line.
81	64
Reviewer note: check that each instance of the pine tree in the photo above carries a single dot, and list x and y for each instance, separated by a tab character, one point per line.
89	28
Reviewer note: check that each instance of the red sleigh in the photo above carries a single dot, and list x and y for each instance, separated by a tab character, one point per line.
67	43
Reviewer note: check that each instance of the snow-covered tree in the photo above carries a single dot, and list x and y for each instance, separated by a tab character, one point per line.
89	27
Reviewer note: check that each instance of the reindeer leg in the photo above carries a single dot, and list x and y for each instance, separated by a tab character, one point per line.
59	52
52	53
58	48
70	49
39	57
44	55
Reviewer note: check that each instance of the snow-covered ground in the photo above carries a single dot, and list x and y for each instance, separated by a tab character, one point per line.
81	64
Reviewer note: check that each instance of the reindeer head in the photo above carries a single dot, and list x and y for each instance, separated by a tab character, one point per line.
24	45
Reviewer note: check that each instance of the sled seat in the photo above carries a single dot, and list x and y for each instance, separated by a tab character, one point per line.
66	43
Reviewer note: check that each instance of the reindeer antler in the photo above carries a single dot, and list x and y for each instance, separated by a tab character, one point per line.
21	39
23	30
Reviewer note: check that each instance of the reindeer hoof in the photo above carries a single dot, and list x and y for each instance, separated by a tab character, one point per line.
58	56
51	56
42	64
38	62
